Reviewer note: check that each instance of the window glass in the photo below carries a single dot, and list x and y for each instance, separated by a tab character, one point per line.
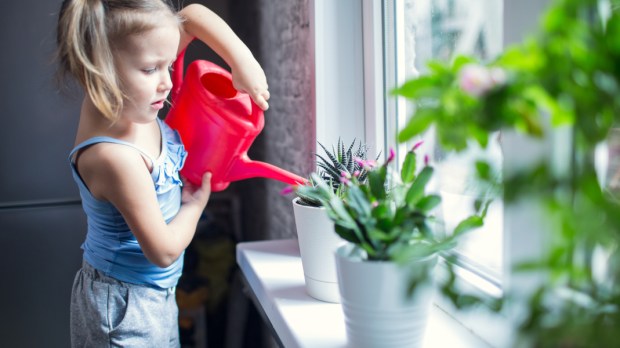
442	29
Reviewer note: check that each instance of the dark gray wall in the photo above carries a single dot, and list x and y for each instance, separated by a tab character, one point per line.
38	123
288	62
41	222
278	33
41	253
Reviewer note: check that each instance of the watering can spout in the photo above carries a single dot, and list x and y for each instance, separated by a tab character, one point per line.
217	125
245	168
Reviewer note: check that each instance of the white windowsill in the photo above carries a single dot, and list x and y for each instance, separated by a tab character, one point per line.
274	274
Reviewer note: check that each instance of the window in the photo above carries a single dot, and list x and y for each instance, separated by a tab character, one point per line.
390	41
416	32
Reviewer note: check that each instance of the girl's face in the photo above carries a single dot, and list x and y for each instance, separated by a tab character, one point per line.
142	63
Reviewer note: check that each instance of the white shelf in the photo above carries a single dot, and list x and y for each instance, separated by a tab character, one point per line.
275	276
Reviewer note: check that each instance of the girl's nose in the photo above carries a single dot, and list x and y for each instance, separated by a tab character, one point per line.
166	82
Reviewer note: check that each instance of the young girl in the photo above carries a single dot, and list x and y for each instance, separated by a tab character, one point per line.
126	162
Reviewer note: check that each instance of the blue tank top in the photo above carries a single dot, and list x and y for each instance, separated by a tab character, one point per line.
110	246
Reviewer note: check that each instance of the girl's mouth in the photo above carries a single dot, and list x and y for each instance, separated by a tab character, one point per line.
158	105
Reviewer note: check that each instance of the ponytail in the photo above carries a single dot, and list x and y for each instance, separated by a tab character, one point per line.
85	53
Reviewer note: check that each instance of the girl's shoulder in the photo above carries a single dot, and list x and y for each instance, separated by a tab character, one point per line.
104	145
105	165
106	153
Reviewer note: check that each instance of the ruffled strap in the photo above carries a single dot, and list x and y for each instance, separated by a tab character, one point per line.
172	162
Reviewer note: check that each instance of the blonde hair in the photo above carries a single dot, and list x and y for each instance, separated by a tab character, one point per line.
87	33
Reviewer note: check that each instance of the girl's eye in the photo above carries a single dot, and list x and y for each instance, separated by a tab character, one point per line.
149	70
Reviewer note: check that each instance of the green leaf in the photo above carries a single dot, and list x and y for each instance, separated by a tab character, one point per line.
461	61
424	86
427	203
319	192
444	245
484	170
560	115
613	33
358	202
468	224
346	233
423	228
407	172
414	194
418	123
525	57
331	170
438	67
418	187
378	235
383	210
481	135
321	186
376	181
397	231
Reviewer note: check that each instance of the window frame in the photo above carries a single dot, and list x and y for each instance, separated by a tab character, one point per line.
338	72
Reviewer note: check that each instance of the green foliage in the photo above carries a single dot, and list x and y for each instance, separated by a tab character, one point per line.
389	217
333	164
568	73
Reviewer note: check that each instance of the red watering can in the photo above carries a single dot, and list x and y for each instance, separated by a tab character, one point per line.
217	125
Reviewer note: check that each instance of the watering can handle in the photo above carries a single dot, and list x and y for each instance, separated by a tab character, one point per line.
177	74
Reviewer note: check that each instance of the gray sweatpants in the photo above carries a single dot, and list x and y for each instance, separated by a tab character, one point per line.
106	312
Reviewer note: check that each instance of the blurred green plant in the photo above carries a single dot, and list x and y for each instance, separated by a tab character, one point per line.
568	74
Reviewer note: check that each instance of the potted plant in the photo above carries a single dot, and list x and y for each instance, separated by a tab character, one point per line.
385	271
565	75
315	231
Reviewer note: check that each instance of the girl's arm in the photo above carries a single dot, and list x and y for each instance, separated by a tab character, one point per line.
118	174
248	76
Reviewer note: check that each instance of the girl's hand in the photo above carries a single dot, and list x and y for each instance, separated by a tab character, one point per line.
249	77
192	194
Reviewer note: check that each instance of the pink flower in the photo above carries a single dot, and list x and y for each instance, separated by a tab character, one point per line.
366	164
425	160
344	177
476	80
288	189
391	156
418	144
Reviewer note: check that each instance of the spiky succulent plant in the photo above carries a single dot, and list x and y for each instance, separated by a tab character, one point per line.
341	162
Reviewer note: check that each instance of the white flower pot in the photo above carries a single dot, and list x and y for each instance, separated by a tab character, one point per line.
377	310
317	243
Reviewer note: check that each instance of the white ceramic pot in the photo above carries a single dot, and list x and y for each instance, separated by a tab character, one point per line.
317	243
377	310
